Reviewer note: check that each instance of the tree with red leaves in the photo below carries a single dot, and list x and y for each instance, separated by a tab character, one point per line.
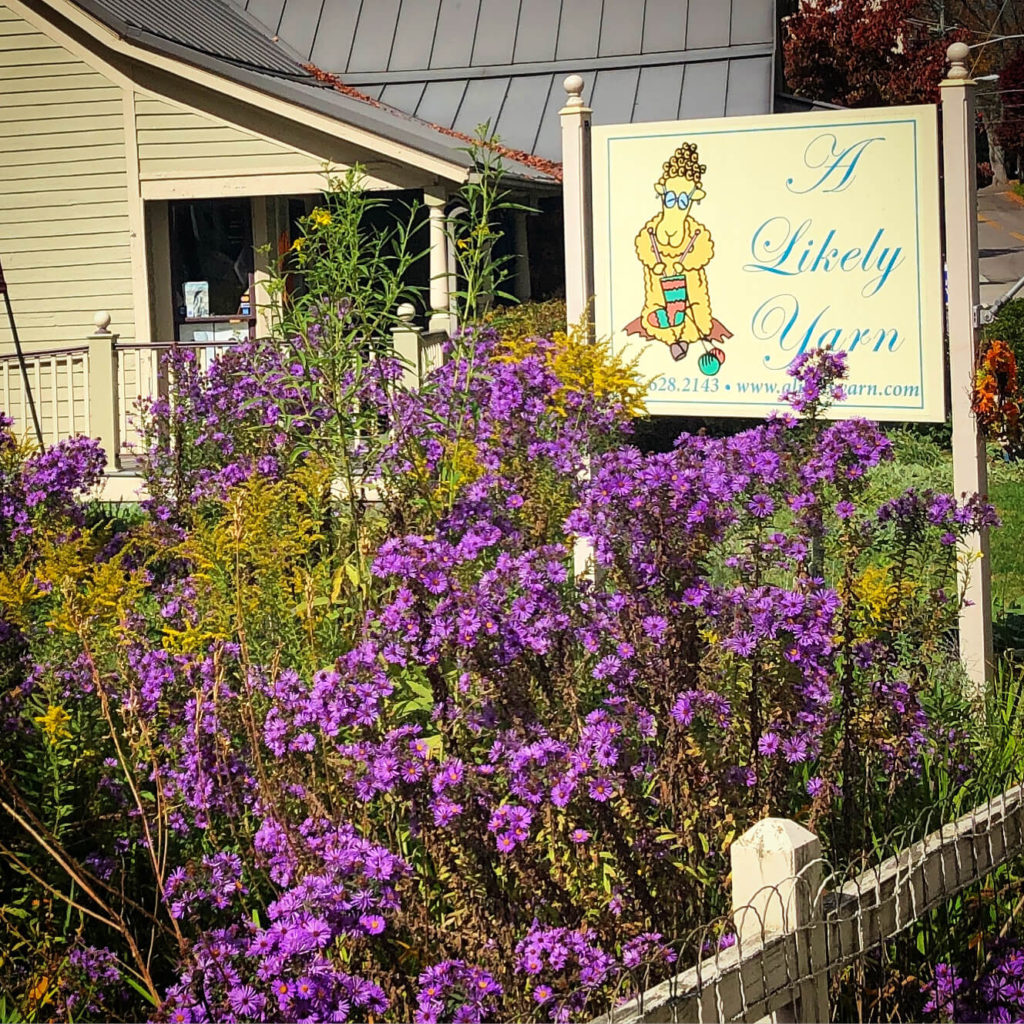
1009	129
863	53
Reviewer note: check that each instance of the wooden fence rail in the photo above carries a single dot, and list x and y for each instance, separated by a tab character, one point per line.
793	927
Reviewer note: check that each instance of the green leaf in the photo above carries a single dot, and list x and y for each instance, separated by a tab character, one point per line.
145	993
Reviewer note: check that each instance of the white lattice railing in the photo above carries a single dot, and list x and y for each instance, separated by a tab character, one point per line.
796	923
58	380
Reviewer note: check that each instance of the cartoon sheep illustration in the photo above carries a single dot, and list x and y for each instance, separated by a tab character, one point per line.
674	248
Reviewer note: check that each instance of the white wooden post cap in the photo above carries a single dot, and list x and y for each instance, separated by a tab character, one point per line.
406	311
771	885
101	321
772	835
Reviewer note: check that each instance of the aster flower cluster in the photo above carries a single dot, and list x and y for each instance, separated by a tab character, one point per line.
817	373
422	768
568	966
996	996
218	425
50	483
92	985
334	886
456	991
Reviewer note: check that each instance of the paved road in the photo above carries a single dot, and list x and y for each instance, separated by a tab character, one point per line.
1000	241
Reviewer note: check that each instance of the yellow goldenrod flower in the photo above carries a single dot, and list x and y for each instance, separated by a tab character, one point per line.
584	367
54	723
298	244
320	217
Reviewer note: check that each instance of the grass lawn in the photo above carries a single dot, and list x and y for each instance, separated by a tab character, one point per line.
1006	490
922	463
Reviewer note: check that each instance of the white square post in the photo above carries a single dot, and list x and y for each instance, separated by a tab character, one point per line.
970	472
102	386
776	889
577	206
578	219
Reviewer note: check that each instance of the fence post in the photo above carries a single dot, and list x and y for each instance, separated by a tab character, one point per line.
102	385
776	885
406	340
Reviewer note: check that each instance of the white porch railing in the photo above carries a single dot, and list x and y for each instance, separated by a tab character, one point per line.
59	383
94	388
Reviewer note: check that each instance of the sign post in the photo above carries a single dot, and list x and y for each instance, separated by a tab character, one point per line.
970	474
578	220
578	215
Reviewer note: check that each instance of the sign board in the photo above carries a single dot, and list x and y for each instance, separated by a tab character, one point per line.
724	248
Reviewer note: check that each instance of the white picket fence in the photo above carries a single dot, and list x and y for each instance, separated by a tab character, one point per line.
796	924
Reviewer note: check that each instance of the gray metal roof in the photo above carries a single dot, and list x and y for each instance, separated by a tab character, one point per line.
457	63
220	37
216	28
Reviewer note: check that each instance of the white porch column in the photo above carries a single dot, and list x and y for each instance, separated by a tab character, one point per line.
577	206
970	472
161	326
264	249
440	318
523	291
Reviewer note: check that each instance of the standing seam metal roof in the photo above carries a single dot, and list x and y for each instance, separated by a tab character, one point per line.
216	28
221	37
457	63
453	64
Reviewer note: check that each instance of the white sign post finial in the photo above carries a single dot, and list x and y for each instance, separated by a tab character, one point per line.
574	89
957	56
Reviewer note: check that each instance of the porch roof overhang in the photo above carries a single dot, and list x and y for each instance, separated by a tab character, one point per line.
285	89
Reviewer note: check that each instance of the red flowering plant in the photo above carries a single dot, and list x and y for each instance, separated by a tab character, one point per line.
997	397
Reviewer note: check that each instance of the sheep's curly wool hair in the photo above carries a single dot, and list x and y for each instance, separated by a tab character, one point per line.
684	163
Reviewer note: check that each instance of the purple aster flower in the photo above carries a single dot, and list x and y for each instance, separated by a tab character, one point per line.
815	786
373	924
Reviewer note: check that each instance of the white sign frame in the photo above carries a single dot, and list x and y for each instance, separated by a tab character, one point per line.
897	173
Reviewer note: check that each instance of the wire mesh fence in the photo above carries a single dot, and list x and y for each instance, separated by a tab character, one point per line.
925	933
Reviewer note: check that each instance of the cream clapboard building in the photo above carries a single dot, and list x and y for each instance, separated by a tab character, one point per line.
147	147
